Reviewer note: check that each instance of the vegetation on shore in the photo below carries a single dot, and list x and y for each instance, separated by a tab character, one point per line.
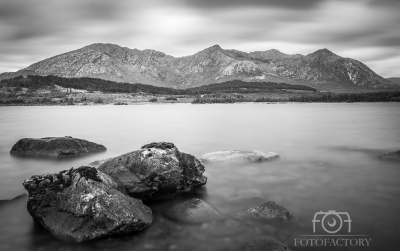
282	96
52	90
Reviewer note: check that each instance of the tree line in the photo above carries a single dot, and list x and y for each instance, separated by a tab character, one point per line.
305	98
94	84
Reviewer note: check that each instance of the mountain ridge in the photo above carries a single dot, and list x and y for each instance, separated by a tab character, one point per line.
321	69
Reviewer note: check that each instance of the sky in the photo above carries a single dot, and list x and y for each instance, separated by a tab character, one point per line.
365	30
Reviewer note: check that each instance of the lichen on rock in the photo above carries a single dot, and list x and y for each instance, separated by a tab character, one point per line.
156	170
84	204
269	211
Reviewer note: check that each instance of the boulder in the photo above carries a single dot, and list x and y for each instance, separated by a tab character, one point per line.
265	243
237	156
55	147
84	204
269	211
155	171
391	155
193	211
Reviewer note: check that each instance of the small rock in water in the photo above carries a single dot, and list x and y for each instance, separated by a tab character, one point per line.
265	243
269	211
193	211
391	155
55	147
237	156
157	170
84	204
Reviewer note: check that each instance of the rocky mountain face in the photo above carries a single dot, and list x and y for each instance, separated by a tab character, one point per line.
322	69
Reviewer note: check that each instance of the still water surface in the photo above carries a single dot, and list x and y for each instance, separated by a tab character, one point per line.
329	161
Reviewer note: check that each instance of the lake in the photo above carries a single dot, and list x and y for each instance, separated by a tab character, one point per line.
329	161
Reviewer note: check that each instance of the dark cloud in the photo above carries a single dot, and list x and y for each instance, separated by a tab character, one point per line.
226	4
97	9
11	9
386	2
36	29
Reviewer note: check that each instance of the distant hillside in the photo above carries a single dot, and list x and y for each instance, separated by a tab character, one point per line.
93	84
89	84
394	80
321	69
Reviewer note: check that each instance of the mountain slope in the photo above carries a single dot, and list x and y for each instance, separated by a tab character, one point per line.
394	80
322	69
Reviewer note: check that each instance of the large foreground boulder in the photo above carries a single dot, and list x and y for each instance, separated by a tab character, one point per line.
84	204
237	156
193	211
269	211
391	155
155	171
265	243
55	147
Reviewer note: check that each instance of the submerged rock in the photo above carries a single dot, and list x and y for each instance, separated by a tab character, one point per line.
55	147
222	228
391	155
84	204
4	202
247	194
157	170
193	211
265	243
269	211
238	156
99	162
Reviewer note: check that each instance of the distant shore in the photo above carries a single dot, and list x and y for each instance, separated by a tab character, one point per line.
56	91
58	96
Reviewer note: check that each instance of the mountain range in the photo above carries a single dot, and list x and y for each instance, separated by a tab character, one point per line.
321	69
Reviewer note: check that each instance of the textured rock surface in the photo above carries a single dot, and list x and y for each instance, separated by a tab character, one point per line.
322	69
269	211
84	204
265	243
193	211
55	147
391	155
238	156
155	171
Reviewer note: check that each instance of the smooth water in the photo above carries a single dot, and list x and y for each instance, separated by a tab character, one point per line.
329	161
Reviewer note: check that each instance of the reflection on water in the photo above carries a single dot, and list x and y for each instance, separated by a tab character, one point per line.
329	161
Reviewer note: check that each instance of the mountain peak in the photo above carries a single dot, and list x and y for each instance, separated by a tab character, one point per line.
322	52
215	47
101	46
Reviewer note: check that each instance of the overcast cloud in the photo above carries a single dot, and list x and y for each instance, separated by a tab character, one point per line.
366	30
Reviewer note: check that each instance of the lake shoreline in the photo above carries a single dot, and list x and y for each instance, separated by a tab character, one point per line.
189	103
